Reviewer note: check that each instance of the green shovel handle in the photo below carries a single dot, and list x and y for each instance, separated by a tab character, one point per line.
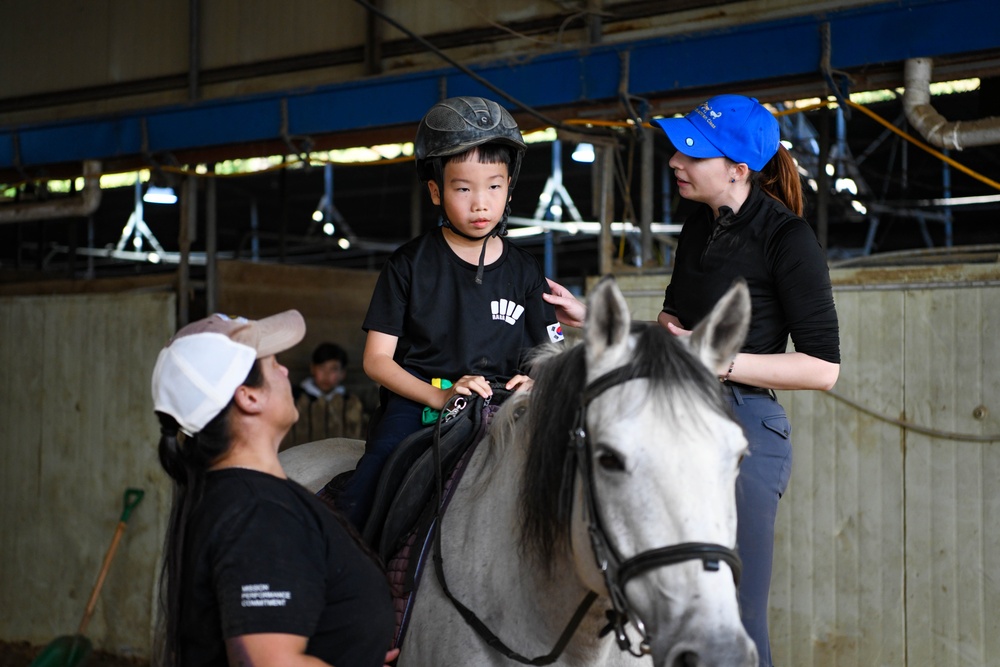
132	498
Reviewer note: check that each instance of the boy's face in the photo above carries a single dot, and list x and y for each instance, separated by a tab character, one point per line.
474	195
328	374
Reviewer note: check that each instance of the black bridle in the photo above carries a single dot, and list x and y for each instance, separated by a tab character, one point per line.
617	571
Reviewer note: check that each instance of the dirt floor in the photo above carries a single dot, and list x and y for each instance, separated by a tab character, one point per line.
20	654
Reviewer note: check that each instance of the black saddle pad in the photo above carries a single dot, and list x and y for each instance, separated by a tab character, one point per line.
407	483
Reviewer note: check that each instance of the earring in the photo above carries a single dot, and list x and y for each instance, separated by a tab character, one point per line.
732	180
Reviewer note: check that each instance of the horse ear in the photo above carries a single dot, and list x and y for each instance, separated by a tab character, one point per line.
719	336
608	320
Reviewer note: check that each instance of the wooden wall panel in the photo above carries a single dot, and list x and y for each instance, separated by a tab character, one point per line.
332	301
888	539
842	512
79	431
953	528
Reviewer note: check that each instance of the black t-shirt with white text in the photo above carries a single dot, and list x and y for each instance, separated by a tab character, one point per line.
264	555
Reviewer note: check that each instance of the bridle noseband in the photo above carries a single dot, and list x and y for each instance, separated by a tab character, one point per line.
618	571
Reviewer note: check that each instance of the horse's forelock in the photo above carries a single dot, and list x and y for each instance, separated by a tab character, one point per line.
674	375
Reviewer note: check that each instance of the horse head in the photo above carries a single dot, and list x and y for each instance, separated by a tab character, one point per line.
643	503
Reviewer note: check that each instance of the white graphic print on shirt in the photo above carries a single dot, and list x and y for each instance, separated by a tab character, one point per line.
505	310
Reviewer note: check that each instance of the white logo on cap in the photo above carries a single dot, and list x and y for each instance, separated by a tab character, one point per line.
689	141
708	114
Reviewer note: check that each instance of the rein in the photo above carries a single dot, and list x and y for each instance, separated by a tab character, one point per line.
456	405
616	570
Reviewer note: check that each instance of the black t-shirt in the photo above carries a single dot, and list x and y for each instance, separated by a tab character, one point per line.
447	325
265	555
784	266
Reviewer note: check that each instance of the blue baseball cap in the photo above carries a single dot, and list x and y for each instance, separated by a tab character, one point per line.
731	126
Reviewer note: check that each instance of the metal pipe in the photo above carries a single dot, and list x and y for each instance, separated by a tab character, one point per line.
194	48
946	194
934	127
595	28
211	246
189	213
646	196
607	208
823	181
80	205
374	29
254	231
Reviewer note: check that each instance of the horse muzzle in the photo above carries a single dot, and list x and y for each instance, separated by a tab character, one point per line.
707	647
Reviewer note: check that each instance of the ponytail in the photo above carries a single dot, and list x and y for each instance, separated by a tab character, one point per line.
780	179
187	460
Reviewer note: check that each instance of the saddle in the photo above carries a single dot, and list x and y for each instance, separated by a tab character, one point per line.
400	526
406	484
408	528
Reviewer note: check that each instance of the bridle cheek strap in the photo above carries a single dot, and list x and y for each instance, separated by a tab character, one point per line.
616	570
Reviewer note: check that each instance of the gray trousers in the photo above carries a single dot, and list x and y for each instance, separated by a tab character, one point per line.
762	480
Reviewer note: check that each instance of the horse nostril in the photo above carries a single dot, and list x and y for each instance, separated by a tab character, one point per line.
686	659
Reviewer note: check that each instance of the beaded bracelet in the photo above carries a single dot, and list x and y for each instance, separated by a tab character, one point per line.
725	378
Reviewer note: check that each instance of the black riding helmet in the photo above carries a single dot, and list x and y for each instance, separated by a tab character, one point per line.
456	125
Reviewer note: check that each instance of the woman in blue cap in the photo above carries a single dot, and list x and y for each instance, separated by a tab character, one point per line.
730	159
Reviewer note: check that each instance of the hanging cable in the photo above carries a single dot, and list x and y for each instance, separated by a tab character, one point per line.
910	426
454	63
828	72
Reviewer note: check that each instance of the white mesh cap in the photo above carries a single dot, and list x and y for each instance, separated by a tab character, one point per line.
201	367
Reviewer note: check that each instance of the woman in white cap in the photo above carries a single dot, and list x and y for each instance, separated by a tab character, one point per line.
257	571
730	159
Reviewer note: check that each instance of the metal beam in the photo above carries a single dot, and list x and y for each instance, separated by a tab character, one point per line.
668	66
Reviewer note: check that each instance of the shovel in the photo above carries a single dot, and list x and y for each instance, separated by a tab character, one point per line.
72	650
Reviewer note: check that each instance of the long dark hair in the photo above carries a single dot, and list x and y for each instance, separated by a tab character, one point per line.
780	179
186	459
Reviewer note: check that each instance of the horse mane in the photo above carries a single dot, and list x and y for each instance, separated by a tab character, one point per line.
675	377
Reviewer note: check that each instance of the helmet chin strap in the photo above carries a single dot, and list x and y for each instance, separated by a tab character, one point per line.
499	230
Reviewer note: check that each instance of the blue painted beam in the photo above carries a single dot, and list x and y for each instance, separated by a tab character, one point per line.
882	33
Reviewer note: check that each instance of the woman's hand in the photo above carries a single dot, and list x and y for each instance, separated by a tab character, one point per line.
519	383
678	330
390	656
672	324
569	310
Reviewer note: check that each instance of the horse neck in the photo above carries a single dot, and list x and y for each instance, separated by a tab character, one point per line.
490	573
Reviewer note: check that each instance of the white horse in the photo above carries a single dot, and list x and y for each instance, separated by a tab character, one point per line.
611	482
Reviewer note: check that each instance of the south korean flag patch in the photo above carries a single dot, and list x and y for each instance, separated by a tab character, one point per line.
555	332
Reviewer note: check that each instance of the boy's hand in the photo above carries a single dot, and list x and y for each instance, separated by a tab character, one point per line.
465	386
519	383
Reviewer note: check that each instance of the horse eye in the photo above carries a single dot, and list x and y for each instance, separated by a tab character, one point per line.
610	461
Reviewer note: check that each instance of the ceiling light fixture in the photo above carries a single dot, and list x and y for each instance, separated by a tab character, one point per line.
158	195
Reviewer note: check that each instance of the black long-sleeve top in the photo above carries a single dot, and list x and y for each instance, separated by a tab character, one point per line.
784	266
